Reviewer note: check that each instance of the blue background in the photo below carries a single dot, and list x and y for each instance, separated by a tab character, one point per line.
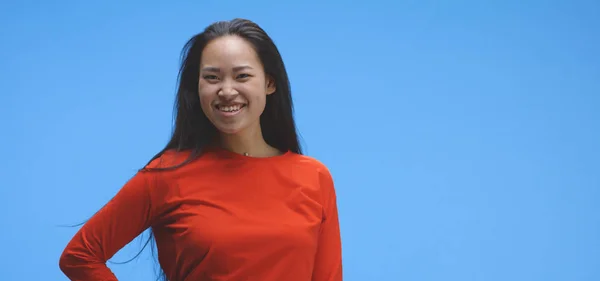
463	136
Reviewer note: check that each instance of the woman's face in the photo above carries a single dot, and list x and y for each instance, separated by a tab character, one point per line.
232	85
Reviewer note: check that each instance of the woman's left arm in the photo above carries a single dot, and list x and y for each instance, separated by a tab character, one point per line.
328	261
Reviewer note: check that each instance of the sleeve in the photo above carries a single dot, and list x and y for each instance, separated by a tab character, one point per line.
328	260
131	211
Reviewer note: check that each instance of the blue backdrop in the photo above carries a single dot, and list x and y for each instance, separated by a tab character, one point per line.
463	136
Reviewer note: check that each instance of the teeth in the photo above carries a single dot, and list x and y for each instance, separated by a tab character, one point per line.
230	108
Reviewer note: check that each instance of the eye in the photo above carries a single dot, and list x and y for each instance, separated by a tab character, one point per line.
243	76
210	77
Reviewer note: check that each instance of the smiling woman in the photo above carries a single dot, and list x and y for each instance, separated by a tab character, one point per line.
231	197
231	68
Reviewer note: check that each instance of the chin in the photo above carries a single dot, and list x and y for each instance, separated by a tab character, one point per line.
229	130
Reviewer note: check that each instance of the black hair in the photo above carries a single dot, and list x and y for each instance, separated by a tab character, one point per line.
193	131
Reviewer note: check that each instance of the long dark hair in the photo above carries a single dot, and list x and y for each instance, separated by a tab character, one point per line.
193	131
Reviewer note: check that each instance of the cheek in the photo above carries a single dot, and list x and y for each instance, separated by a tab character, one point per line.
205	98
256	95
260	102
257	104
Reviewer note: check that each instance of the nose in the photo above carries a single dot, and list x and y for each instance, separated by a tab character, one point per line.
227	91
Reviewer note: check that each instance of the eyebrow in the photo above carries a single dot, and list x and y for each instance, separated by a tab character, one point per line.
216	69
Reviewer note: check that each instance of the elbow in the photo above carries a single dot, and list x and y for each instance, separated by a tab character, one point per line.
66	262
71	261
79	264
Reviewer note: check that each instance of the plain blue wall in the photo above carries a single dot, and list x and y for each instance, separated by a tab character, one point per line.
463	136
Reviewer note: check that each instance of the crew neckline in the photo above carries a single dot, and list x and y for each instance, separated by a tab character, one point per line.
224	153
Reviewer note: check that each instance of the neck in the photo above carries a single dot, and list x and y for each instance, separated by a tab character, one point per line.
250	143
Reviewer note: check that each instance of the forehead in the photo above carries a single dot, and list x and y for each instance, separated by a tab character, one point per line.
229	51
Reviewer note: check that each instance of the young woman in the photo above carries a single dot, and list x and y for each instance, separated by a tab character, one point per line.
230	197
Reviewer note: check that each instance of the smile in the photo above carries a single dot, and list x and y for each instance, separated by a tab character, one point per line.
230	109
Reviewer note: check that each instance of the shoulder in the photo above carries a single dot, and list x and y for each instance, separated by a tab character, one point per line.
168	159
164	171
310	163
311	167
319	176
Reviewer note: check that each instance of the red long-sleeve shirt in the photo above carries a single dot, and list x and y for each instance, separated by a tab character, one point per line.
222	217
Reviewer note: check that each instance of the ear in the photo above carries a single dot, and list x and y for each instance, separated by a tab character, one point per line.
271	87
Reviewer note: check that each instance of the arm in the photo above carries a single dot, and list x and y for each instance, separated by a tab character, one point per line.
328	261
122	219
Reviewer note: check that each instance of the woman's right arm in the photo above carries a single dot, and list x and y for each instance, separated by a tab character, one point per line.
132	210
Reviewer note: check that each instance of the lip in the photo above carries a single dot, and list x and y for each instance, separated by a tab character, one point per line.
229	114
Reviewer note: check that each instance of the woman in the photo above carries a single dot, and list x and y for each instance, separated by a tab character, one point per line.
230	197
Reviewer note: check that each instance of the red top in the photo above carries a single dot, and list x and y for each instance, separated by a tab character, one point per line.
222	217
